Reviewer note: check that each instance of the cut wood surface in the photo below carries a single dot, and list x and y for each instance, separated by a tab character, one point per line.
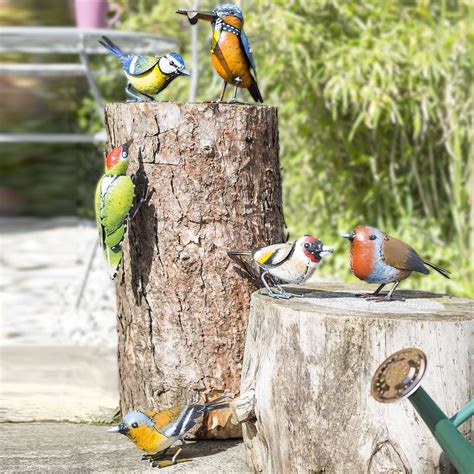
182	309
310	361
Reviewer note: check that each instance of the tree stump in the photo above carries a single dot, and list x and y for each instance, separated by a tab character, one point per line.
306	377
182	309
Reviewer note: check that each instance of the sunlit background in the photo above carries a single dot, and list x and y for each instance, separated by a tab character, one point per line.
375	127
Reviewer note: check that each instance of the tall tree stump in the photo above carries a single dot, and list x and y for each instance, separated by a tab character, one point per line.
182	309
306	379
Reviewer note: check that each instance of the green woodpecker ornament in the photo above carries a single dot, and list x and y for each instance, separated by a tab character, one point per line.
114	198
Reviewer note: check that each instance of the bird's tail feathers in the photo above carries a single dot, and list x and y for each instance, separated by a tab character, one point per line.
108	44
217	403
244	268
239	253
440	270
255	92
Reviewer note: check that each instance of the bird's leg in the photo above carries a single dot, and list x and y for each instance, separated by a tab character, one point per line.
237	80
378	290
155	456
135	96
389	297
143	197
370	295
221	98
271	293
234	96
283	291
174	460
132	96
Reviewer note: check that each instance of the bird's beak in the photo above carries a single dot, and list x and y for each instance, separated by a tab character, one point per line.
349	236
194	16
184	72
325	251
319	250
118	429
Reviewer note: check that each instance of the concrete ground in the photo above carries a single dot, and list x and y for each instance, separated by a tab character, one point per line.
67	447
58	359
61	383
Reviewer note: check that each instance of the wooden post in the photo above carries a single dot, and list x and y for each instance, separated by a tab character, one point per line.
182	309
306	377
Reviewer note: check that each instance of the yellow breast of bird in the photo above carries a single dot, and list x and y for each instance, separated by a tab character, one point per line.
151	82
230	60
149	439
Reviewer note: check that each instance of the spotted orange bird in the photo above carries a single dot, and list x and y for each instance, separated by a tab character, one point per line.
230	50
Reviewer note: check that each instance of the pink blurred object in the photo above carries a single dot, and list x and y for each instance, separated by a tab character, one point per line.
93	13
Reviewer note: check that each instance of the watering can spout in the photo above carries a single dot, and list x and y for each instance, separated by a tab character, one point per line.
399	376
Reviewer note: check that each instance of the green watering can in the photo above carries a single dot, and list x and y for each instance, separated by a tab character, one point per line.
399	376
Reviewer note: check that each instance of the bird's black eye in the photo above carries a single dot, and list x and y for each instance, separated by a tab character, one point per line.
135	425
124	154
372	237
306	245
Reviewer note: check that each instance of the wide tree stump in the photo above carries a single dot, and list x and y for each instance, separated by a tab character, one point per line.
306	379
182	309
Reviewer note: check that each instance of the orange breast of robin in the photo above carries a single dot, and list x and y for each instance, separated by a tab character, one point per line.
230	60
146	438
362	259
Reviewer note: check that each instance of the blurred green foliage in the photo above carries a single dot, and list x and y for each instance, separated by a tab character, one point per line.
375	113
43	179
375	117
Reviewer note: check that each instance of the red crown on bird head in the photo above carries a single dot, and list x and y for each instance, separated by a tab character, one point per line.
117	154
311	247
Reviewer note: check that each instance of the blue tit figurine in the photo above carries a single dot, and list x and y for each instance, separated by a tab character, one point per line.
230	50
147	75
156	431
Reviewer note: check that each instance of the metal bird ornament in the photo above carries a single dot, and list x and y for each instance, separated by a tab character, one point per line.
114	198
290	262
147	75
376	257
231	54
157	431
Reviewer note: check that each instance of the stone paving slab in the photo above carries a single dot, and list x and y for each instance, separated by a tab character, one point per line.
42	267
58	383
66	447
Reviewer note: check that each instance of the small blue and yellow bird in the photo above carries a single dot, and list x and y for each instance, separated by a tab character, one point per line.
230	50
156	431
147	75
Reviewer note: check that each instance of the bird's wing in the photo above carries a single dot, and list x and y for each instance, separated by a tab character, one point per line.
136	65
400	255
186	419
248	51
162	418
100	227
274	254
115	202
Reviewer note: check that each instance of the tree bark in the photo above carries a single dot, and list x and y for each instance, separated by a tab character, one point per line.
308	365
182	309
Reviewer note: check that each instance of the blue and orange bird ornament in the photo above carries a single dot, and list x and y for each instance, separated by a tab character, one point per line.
230	49
376	257
157	431
147	75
